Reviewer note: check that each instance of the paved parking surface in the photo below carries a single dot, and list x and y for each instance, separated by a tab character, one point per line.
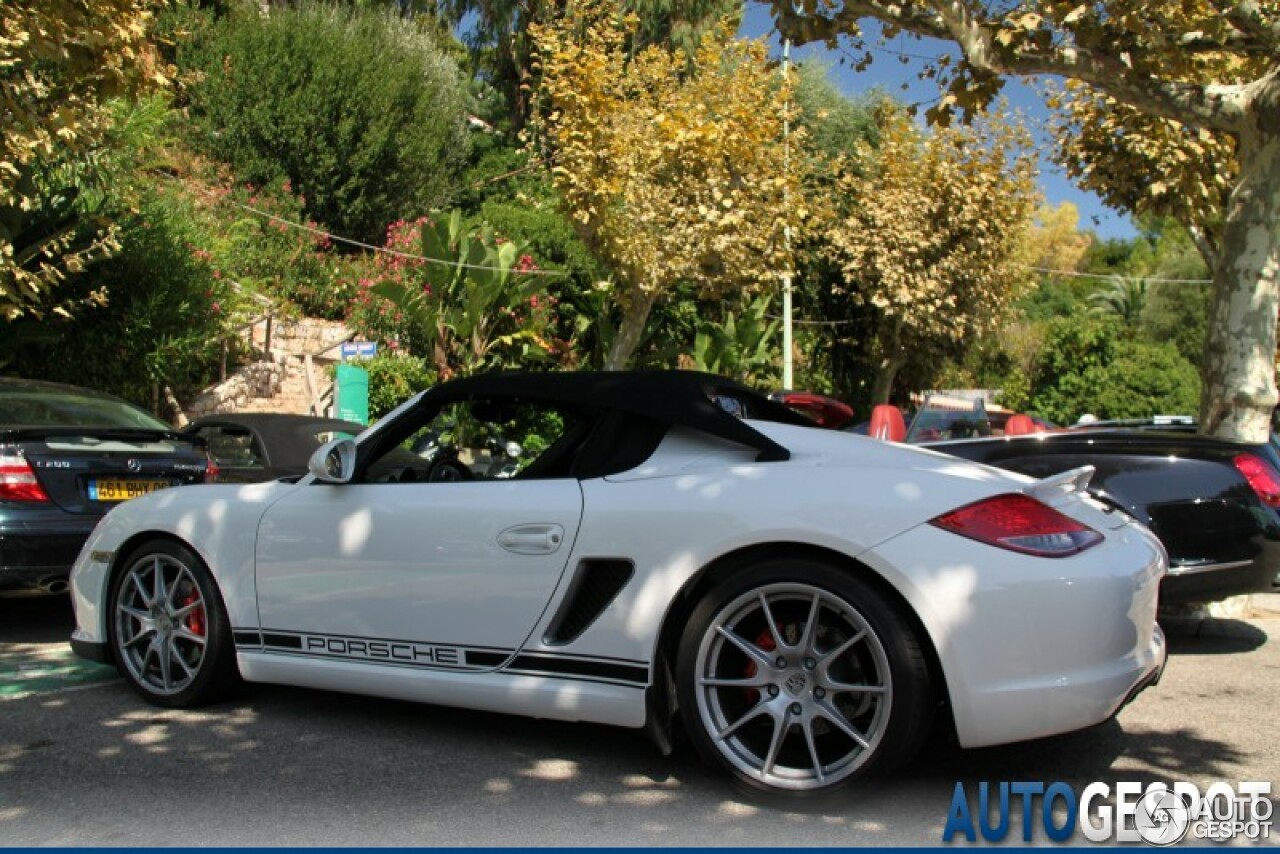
84	762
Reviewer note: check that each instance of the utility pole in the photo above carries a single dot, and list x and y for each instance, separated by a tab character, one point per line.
787	377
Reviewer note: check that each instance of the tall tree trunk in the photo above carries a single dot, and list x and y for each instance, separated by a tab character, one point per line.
630	331
886	372
1238	369
890	359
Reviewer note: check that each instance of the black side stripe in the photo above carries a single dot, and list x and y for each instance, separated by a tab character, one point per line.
566	666
247	638
486	659
286	641
576	667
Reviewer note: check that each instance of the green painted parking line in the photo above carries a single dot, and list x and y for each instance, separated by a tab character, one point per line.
38	670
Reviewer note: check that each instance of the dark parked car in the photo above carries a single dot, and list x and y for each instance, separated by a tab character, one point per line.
67	456
251	446
1215	504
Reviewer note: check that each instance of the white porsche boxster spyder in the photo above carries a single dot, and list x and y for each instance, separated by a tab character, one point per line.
645	550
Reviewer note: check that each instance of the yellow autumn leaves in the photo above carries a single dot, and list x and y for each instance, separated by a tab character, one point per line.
674	171
680	172
60	62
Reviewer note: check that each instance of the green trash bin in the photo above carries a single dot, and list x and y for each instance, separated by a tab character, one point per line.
351	396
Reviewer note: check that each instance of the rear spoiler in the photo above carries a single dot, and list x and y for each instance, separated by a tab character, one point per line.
18	434
1054	489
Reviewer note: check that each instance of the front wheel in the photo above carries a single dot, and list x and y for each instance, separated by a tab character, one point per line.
169	628
798	677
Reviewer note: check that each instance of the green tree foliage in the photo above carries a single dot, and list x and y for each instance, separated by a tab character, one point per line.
1074	348
512	192
834	359
61	63
835	125
1124	298
393	378
360	110
296	268
1146	379
163	323
1177	313
1087	365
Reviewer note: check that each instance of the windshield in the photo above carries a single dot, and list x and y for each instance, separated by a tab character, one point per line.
48	408
939	420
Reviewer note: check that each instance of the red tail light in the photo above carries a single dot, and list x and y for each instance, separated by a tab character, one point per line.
17	478
1262	478
1021	524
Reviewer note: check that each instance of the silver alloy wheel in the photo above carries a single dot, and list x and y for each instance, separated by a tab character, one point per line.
793	686
160	624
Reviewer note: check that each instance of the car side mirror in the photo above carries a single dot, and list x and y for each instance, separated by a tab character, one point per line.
334	462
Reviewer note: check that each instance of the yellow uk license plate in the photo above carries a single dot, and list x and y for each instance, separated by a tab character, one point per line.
117	489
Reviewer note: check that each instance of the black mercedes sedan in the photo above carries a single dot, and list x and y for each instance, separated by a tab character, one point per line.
67	456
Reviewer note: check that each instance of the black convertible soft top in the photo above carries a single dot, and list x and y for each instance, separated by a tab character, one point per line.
690	399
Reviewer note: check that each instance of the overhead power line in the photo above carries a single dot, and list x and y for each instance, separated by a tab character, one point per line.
352	242
1072	274
397	253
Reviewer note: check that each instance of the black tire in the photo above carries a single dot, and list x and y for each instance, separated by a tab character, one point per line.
764	704
171	639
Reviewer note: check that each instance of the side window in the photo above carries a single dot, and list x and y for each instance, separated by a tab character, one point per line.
486	439
233	447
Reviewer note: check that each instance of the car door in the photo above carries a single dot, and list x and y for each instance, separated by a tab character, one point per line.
429	558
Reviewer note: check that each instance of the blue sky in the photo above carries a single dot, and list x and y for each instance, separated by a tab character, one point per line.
888	72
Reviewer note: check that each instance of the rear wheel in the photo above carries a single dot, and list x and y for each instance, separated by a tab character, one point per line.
798	677
169	629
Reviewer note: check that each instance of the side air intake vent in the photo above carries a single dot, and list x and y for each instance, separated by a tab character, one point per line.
594	586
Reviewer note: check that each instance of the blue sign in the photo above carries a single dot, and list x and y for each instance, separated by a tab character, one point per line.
359	349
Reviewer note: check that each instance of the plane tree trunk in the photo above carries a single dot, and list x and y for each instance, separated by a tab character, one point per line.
1239	364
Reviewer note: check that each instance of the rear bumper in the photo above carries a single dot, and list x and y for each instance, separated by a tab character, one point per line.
1217	548
1212	582
34	554
1034	647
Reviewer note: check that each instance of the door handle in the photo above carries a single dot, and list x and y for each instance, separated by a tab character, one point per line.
535	539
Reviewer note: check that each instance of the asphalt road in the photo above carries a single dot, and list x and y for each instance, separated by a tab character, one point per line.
84	762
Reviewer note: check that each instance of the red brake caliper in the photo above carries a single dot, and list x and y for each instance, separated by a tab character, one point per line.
764	641
195	620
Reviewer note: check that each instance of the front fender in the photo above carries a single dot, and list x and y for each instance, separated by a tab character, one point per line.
218	522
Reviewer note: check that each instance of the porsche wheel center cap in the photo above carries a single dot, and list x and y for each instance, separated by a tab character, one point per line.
796	684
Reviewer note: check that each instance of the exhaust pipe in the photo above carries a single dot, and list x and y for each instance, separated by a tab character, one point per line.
54	586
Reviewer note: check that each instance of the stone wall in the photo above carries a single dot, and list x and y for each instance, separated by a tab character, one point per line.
278	381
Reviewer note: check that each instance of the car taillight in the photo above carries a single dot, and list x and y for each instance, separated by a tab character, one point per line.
18	480
1262	478
1021	524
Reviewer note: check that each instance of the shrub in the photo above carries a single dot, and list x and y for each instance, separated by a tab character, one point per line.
290	264
484	308
393	378
1085	366
358	107
164	319
1147	379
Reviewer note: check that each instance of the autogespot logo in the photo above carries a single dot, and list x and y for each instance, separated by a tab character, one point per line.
1159	813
